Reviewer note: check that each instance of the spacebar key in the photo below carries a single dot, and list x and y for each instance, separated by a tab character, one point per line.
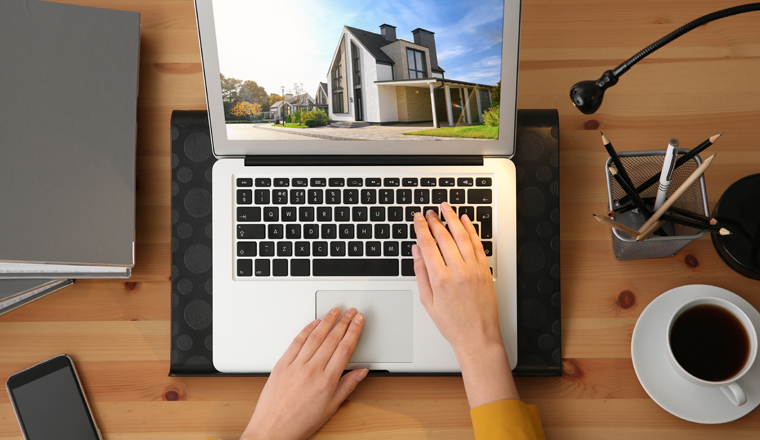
355	267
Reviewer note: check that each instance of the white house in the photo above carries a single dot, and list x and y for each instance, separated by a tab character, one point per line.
380	79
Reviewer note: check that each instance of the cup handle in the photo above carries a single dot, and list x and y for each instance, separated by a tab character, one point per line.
735	393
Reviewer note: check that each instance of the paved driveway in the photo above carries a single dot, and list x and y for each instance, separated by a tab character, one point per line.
370	133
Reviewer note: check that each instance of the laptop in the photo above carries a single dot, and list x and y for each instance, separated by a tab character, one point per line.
333	123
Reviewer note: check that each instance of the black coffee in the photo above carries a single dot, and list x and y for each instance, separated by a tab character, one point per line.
710	343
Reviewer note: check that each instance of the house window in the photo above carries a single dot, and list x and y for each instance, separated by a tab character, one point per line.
417	66
337	86
338	102
357	66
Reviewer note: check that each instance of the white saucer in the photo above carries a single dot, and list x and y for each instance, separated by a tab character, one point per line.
672	392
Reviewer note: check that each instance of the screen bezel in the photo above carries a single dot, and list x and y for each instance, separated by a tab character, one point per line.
503	147
39	371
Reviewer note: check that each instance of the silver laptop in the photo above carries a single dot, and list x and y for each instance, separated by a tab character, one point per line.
333	125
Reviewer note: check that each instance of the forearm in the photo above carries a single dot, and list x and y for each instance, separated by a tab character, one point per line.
487	375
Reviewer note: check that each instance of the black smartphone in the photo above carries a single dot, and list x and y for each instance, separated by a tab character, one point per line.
49	402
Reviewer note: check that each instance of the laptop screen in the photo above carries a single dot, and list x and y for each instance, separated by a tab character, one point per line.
425	70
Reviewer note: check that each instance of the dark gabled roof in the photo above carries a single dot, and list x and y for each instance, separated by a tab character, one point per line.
437	69
372	42
323	86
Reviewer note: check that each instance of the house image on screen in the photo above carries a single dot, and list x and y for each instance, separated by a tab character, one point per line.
380	79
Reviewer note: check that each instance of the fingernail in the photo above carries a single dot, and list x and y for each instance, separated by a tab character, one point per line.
418	215
351	312
465	218
445	206
359	318
315	322
334	311
415	252
362	375
430	213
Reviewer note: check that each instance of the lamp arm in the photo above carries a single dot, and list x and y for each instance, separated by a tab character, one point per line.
622	68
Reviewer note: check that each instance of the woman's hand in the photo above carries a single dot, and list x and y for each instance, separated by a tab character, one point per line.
305	388
456	289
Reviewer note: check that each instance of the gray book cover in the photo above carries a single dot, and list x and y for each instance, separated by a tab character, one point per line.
68	105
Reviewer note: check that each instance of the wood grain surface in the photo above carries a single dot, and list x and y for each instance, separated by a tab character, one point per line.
702	84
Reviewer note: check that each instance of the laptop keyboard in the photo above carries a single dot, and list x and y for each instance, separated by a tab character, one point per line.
344	227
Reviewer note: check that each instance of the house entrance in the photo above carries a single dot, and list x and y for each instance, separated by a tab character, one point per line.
358	104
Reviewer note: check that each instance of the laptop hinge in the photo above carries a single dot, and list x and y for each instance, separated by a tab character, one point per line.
364	160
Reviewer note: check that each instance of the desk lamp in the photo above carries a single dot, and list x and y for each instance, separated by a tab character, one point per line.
587	95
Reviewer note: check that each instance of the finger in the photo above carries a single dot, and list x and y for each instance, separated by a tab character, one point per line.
461	237
295	346
346	386
431	254
477	245
449	250
423	279
315	339
346	347
326	350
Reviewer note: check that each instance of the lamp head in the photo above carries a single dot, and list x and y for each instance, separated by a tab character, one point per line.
587	95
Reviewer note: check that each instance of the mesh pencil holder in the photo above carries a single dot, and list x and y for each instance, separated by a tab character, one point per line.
641	165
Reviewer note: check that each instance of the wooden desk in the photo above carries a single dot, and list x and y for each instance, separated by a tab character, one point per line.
702	84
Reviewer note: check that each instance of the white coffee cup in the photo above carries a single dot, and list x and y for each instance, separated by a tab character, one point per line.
730	386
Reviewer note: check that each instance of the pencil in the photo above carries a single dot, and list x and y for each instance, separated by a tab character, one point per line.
694	215
696	225
655	226
616	225
681	189
680	161
621	209
628	190
616	160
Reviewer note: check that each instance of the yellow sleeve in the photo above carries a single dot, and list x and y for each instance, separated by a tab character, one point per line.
507	420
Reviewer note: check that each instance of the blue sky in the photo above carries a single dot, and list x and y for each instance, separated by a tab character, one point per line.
281	43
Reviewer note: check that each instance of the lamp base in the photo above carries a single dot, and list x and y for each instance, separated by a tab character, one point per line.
739	211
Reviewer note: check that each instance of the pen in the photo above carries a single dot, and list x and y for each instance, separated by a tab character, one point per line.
668	165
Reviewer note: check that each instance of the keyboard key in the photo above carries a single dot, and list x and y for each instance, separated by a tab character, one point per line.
412	232
421	196
261	268
249	214
332	196
373	181
336	181
404	196
410	210
440	196
288	213
457	196
383	231
346	231
369	196
359	213
374	248
407	267
274	231
320	248
280	197
400	230
318	181
244	267
263	182
281	182
485	217
409	181
244	196
337	248
261	196
355	248
391	181
385	196
446	181
271	214
300	267
300	182
250	232
311	231
488	248
465	181
266	249
428	181
306	214
364	231
396	214
477	228
316	197
350	196
355	182
293	231
297	196
342	214
245	182
377	214
329	231
246	248
430	208
280	268
483	181
479	196
302	248
469	211
390	249
406	248
324	214
284	249
358	267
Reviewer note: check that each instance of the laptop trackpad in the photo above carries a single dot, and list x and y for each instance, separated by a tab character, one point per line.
388	334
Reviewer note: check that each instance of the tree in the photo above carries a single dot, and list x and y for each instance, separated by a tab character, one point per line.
246	109
273	97
496	94
230	87
300	97
252	92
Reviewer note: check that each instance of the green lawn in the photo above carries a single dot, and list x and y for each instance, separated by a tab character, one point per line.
470	131
291	125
